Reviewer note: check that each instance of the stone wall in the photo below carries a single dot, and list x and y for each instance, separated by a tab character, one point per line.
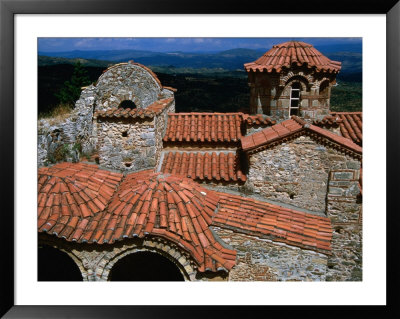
344	209
296	172
127	144
131	144
270	93
127	81
161	126
67	138
264	260
76	135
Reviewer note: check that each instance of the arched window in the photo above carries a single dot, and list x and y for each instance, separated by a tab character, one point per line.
324	88
294	106
55	265
127	104
145	266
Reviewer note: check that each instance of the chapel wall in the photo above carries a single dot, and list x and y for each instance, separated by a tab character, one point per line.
263	260
127	144
296	172
344	208
270	93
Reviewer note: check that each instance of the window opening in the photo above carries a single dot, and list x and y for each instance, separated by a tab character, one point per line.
294	108
127	104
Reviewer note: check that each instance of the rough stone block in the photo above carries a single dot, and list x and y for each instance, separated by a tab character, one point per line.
343	175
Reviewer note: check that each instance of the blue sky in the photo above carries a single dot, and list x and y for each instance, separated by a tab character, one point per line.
181	44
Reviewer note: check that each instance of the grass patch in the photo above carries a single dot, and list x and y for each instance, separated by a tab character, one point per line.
57	114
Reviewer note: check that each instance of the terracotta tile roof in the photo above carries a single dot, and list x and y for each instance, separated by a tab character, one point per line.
350	124
204	166
259	119
145	203
70	193
293	128
152	110
203	127
273	222
286	54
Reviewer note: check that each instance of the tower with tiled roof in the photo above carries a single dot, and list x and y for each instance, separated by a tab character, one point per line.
293	78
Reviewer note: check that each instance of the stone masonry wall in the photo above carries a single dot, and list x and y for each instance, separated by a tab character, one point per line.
161	126
69	135
264	260
296	172
126	81
344	209
270	93
126	144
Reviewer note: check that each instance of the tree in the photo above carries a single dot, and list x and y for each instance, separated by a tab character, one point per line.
72	88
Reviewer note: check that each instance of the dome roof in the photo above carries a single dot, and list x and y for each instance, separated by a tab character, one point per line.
290	53
83	207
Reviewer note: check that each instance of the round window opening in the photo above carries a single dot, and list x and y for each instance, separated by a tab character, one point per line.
127	104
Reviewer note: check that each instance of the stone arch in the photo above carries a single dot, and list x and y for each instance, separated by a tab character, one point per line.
69	252
55	264
324	86
127	81
302	80
284	80
175	254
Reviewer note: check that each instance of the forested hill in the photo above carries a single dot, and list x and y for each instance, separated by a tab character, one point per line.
213	82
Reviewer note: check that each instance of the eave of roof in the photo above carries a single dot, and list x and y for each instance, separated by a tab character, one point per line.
150	111
269	221
285	55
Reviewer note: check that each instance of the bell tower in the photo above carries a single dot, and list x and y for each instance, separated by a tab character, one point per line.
293	78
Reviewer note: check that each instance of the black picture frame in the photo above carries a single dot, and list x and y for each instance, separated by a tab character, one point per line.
8	10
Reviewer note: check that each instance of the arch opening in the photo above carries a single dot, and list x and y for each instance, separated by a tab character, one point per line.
324	88
56	265
145	266
294	108
127	104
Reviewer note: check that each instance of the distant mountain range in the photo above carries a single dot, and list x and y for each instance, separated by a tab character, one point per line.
228	60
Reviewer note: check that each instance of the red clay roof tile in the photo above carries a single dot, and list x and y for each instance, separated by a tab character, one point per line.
259	219
279	132
203	127
204	166
150	111
350	124
286	54
259	119
134	210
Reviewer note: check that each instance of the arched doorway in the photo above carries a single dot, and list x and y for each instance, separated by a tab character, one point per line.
55	265
145	266
127	104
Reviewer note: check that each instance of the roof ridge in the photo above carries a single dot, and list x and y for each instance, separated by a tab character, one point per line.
250	145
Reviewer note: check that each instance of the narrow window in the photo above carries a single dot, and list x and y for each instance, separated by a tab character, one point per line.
294	108
324	89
